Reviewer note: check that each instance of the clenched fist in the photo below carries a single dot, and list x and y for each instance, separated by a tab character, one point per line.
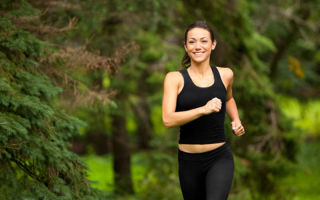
213	105
237	128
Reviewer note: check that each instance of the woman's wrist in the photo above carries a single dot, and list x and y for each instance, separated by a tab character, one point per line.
202	110
236	120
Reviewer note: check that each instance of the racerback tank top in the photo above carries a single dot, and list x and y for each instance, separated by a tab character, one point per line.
207	128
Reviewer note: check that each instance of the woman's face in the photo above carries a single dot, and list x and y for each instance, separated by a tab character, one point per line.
199	45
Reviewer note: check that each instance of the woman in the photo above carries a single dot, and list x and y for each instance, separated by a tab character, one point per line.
196	99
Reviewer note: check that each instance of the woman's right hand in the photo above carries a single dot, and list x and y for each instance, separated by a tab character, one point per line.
213	105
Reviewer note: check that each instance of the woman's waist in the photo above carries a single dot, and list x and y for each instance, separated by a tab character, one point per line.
199	148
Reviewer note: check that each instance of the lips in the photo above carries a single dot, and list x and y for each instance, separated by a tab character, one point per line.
198	53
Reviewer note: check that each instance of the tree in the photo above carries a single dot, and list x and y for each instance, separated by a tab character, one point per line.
35	132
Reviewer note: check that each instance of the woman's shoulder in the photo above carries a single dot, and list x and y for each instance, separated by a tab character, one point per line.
173	76
227	72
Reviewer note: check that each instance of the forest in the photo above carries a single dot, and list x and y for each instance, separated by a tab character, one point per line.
81	87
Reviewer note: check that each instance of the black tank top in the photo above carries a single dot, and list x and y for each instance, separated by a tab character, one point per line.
207	128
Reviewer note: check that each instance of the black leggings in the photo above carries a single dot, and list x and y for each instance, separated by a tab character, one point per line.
207	175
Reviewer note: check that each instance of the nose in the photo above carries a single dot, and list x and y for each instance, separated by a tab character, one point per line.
198	45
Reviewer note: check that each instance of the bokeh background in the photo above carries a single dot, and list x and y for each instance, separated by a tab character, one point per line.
81	84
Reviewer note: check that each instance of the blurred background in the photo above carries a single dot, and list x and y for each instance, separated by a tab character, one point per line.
81	90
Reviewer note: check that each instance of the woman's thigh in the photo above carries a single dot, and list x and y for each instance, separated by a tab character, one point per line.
219	177
192	180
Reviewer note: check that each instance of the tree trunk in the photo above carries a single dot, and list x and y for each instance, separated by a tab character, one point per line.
121	155
144	132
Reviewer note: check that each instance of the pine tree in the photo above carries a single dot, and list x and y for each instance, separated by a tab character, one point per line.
34	132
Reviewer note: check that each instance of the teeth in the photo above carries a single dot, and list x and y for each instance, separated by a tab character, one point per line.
198	53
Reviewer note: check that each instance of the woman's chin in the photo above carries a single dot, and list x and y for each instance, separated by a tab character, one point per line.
199	60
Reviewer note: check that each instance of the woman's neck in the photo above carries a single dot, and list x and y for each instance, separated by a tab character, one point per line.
200	68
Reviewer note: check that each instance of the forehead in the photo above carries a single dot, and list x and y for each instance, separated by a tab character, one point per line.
198	33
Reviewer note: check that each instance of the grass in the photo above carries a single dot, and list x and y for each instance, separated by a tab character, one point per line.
101	171
154	175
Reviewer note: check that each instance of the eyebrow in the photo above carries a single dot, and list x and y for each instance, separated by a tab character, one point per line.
200	38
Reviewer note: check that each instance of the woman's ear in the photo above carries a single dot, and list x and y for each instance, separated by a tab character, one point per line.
185	46
214	43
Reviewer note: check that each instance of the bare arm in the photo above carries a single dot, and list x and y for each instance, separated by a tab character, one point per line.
231	106
171	118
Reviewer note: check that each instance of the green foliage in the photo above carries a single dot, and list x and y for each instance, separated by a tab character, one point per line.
159	129
154	184
304	115
154	174
303	181
35	162
249	43
100	171
35	132
150	46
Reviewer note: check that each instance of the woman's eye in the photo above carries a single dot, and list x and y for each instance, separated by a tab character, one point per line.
204	41
191	42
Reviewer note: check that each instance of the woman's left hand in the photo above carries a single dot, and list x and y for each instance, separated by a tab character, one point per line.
237	128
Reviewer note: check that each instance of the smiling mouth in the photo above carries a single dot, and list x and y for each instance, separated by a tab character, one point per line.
198	53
